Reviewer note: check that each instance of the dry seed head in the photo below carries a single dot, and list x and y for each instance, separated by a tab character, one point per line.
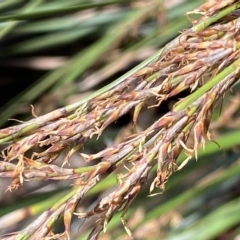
193	56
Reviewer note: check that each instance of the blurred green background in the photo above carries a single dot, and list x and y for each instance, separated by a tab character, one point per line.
55	52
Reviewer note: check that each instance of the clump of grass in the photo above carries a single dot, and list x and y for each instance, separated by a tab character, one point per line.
203	59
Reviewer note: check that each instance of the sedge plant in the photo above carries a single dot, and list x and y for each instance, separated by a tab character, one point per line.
203	60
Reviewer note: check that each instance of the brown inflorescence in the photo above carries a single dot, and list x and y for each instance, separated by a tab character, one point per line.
188	62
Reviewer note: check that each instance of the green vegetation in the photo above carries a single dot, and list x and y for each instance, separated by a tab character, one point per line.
78	169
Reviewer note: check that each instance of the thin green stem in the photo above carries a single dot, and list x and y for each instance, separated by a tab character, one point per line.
207	86
207	22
